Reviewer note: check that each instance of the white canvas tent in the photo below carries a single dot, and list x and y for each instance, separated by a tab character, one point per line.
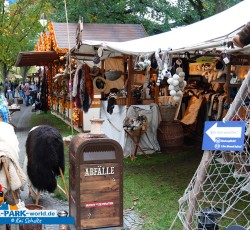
210	32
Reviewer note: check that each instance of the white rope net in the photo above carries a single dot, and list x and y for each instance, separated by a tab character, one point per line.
218	195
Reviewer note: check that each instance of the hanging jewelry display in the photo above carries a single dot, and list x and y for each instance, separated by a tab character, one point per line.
164	65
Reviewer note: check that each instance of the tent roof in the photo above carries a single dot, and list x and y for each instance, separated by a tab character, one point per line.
212	31
61	35
97	31
39	58
102	32
113	32
107	33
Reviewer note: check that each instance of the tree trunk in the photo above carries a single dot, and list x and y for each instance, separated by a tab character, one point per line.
5	71
25	70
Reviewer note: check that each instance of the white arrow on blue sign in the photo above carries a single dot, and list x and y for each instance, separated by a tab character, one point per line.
220	135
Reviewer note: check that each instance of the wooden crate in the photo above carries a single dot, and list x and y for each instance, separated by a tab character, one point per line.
19	100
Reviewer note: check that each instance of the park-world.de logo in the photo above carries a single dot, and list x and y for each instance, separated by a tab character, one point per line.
20	214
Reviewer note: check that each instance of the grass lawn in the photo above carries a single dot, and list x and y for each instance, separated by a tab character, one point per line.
152	185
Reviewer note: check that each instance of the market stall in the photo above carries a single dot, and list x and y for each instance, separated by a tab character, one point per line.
146	68
51	53
209	61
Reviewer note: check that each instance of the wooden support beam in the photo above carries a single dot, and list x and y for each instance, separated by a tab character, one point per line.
3	161
130	76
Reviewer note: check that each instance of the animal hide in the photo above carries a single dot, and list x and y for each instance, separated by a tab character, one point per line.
192	110
88	82
76	86
9	150
8	139
45	153
111	105
18	177
86	103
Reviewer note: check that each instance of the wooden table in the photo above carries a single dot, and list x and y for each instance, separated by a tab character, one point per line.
12	110
136	139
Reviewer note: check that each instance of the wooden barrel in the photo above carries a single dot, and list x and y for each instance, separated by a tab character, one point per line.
170	135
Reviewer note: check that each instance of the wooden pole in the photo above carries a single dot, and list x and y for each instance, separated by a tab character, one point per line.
130	75
178	109
200	176
64	184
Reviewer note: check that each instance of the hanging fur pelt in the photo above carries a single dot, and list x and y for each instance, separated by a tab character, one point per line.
112	100
45	153
88	90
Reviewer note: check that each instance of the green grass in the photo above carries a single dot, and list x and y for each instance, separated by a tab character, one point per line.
49	119
152	185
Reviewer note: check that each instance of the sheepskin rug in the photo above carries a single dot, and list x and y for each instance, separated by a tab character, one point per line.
45	154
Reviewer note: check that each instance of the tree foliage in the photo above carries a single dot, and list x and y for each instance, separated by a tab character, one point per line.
19	28
19	25
156	16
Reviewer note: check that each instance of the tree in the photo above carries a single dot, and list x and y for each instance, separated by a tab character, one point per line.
190	11
156	16
19	29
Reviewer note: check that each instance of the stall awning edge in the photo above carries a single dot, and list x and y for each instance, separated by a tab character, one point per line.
36	58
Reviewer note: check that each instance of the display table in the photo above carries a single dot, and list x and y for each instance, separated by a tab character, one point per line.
13	109
113	127
136	139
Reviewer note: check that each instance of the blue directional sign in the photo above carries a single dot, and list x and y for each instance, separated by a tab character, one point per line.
219	135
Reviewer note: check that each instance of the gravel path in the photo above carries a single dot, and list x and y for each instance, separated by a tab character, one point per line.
21	120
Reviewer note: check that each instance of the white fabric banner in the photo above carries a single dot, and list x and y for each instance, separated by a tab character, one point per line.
113	126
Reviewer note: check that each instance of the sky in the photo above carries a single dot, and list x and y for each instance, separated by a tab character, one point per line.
12	2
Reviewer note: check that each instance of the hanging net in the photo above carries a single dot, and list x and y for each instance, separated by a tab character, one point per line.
218	195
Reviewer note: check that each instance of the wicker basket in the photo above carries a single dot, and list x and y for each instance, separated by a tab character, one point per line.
170	135
121	101
147	101
136	132
113	75
20	100
140	130
167	112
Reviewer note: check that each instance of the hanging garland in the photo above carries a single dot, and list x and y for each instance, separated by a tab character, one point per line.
76	116
53	41
47	42
52	90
